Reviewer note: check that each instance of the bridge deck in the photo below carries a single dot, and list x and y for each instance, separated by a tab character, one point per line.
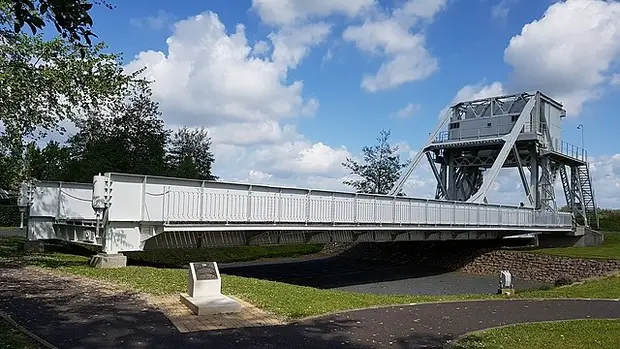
139	208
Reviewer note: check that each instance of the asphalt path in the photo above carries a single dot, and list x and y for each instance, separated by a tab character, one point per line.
72	316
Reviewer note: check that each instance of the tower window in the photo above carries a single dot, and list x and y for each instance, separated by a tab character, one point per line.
489	124
455	125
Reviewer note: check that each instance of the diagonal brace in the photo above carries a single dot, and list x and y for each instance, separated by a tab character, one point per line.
524	182
509	141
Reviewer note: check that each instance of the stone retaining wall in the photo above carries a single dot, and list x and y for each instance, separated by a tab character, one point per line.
478	257
544	268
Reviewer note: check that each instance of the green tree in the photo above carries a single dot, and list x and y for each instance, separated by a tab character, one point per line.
189	154
381	168
131	138
10	161
44	83
71	18
48	163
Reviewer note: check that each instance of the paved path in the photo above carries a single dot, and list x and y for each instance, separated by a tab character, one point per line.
80	316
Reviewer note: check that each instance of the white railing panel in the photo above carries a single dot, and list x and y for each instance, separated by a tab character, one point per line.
263	207
365	209
320	208
293	208
344	209
385	210
401	211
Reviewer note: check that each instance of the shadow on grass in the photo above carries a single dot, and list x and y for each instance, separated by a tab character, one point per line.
57	254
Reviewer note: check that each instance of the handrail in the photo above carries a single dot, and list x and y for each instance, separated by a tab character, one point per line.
185	205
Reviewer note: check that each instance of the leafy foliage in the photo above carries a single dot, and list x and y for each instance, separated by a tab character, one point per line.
130	138
46	82
609	220
381	169
190	155
9	213
49	162
71	18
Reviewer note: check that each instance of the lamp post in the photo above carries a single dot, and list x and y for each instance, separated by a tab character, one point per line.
580	127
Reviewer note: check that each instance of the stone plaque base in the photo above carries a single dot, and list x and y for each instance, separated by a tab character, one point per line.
103	260
217	304
506	291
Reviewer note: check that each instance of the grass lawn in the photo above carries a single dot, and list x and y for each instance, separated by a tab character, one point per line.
610	249
13	338
288	301
573	334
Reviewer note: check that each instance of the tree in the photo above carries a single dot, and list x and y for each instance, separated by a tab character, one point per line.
131	138
71	18
10	160
381	169
47	82
189	154
48	163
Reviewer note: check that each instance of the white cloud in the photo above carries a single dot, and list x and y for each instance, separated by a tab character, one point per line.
615	80
473	92
292	44
569	52
478	91
240	92
260	48
605	172
300	158
389	35
407	111
156	22
500	10
285	12
208	77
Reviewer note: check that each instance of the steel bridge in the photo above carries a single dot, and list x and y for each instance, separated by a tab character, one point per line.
129	212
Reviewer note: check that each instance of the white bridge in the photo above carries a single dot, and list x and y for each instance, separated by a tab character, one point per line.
128	212
138	212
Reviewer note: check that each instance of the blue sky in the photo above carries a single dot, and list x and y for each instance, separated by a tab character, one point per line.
569	51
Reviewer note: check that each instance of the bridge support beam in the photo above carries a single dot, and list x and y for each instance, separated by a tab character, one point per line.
583	237
105	260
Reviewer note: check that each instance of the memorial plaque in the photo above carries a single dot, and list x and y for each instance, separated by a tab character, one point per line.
205	271
204	291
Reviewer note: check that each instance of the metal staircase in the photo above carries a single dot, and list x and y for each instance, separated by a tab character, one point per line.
588	202
580	195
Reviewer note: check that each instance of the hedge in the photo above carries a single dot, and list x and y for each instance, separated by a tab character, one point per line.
609	220
9	214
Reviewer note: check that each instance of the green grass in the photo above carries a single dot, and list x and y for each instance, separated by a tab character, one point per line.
573	334
610	249
12	338
286	300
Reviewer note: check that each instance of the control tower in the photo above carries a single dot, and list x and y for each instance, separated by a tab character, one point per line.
476	139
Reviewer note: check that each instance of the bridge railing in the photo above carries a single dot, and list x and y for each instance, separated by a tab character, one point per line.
248	206
160	199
